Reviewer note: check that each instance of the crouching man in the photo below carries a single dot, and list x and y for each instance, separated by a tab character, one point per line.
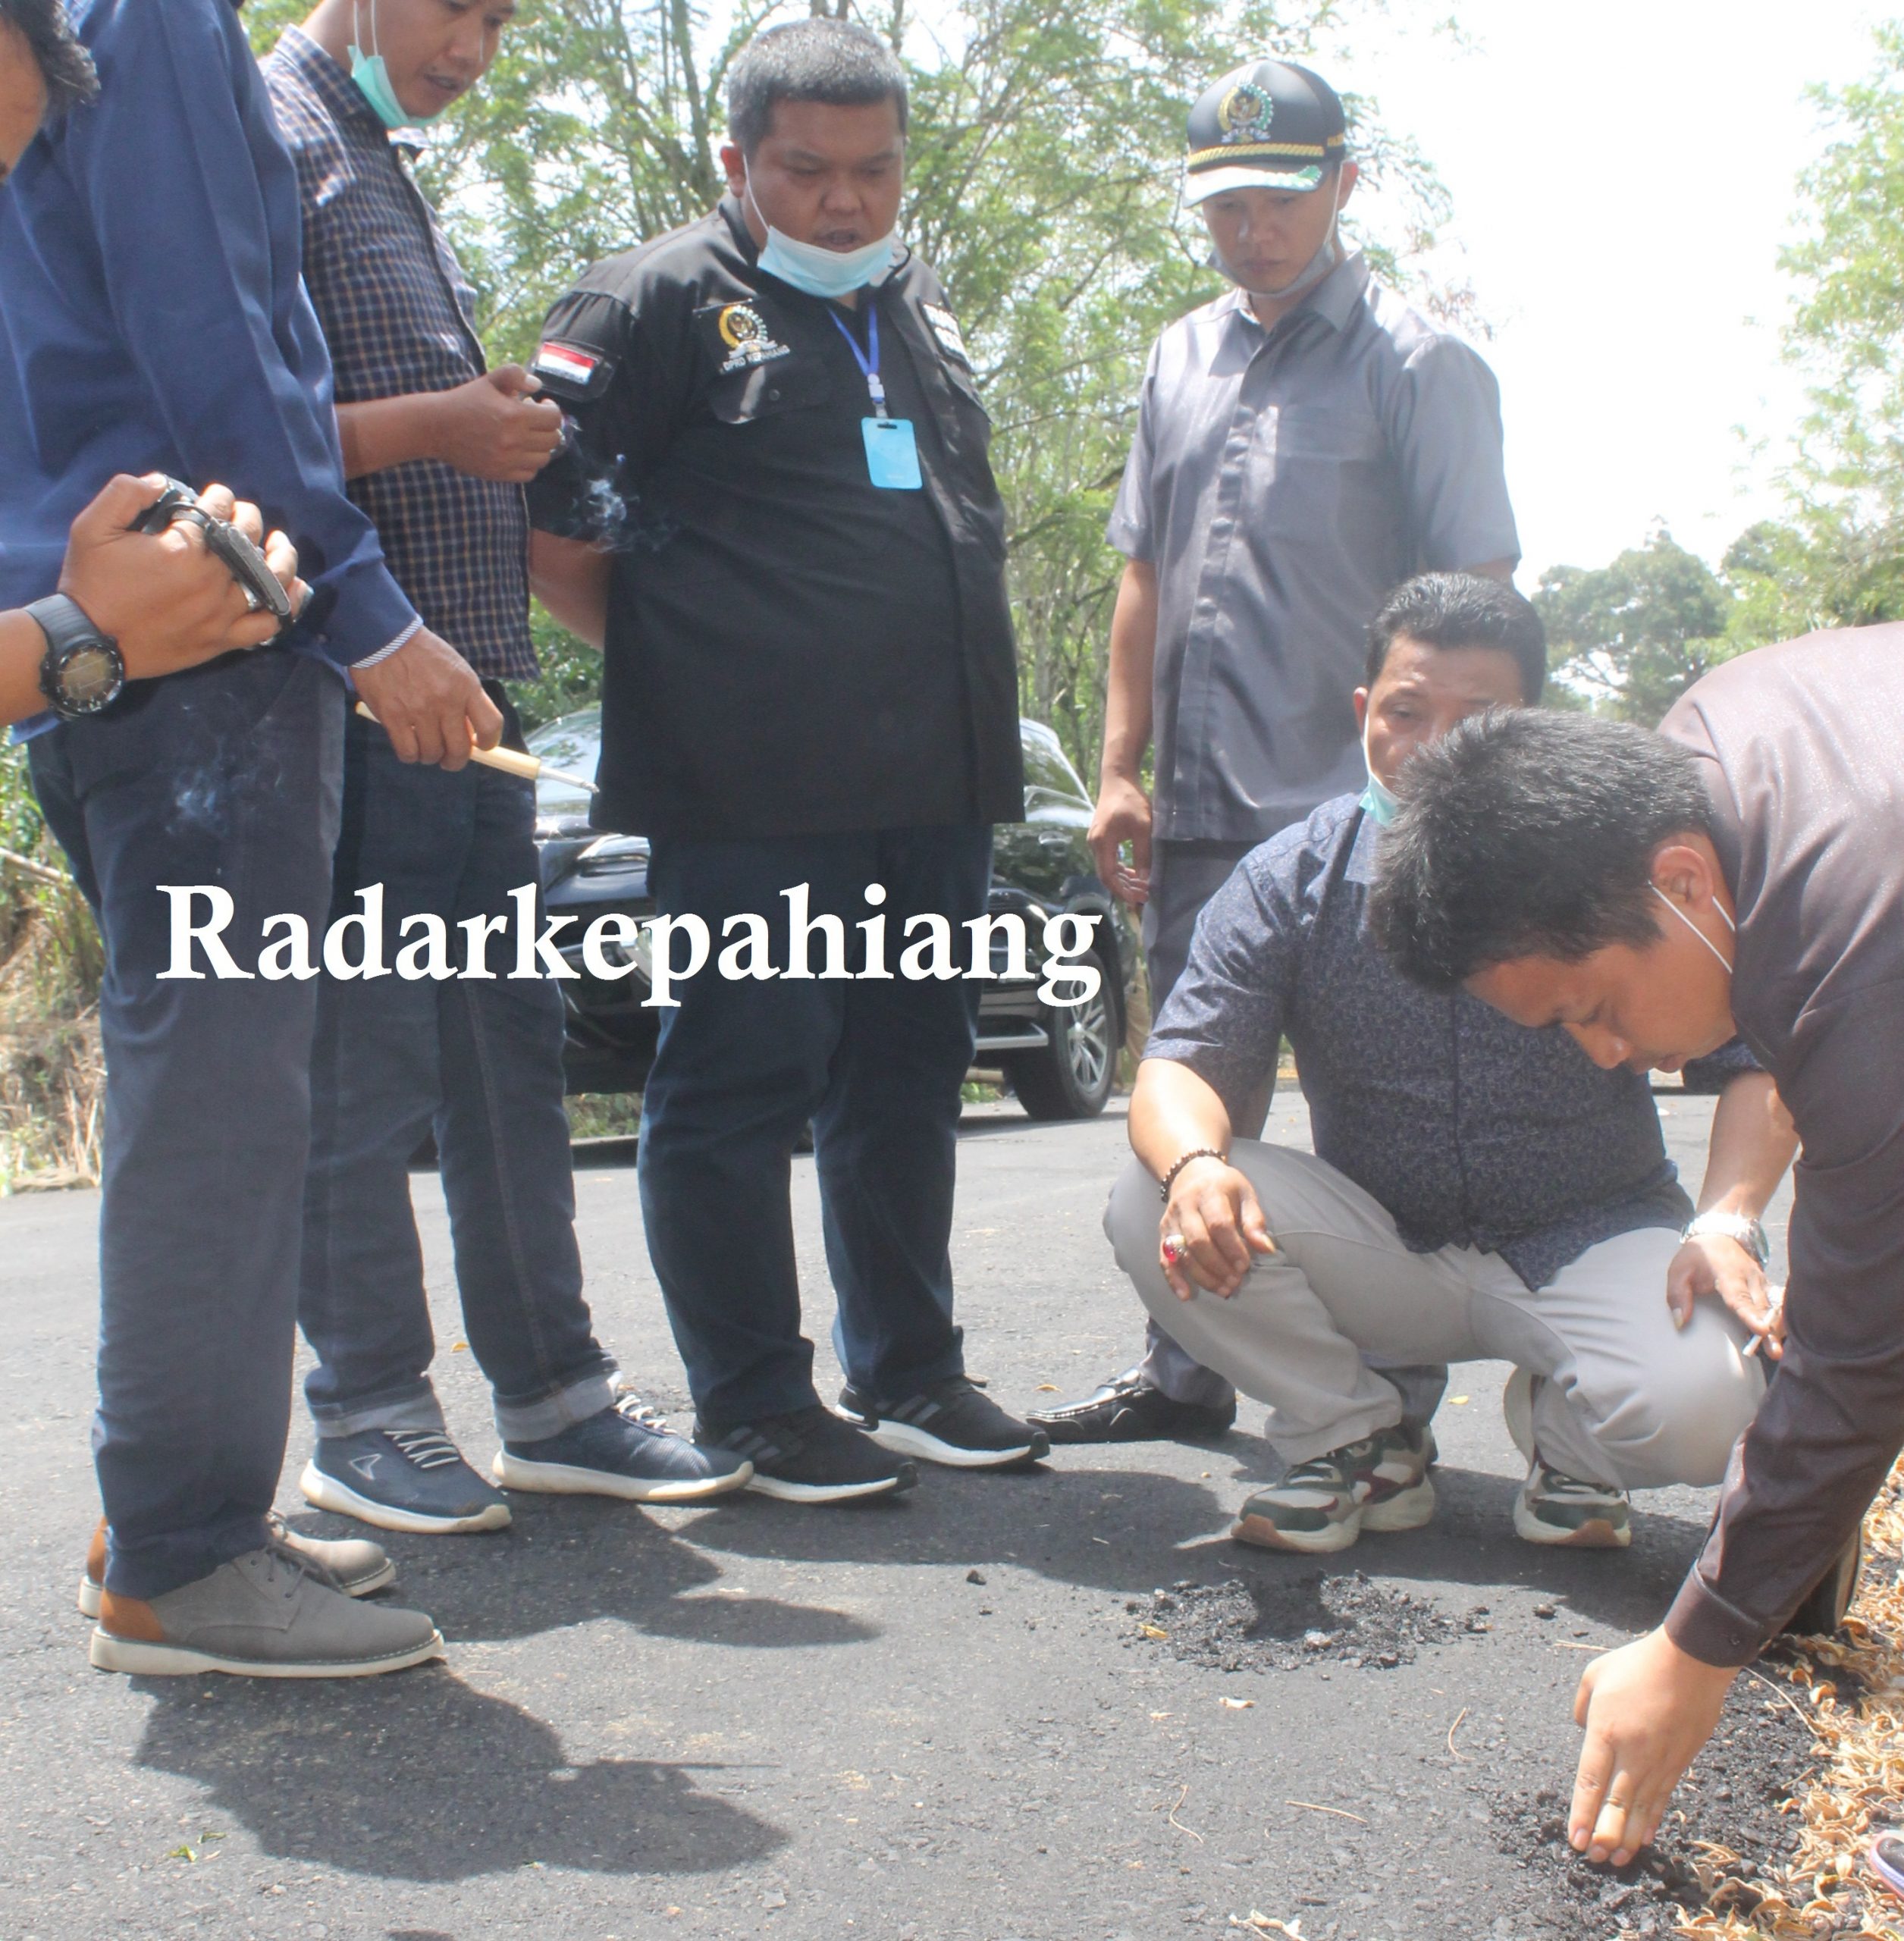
1478	1191
1650	894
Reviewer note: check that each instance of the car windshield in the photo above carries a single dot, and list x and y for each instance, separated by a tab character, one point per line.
1045	767
574	742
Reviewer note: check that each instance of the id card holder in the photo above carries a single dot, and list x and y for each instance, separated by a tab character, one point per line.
891	453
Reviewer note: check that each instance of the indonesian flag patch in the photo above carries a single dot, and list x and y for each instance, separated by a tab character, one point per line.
577	369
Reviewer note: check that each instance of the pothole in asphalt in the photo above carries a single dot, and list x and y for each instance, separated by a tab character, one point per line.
1257	1624
1733	1801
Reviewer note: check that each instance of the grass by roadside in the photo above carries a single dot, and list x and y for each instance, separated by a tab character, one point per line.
51	1076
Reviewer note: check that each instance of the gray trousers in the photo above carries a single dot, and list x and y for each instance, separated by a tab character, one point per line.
1623	1396
1184	877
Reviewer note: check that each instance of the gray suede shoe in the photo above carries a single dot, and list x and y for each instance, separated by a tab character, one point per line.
263	1615
354	1565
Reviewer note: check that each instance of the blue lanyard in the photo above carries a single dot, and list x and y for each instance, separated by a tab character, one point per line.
869	366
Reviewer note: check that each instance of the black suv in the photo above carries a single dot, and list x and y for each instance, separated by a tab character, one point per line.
1059	1061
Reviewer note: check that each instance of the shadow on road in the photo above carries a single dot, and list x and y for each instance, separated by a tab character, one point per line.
1121	1531
584	1559
417	1777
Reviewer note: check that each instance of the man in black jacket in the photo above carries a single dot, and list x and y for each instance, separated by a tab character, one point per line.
776	513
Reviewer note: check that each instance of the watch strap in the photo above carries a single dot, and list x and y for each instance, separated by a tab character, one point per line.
1745	1229
63	621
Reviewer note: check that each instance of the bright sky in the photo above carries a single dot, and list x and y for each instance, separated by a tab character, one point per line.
1623	177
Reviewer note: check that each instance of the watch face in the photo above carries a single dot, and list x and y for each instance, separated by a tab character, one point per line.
90	677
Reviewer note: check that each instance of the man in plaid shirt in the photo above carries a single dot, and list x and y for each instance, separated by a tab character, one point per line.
437	448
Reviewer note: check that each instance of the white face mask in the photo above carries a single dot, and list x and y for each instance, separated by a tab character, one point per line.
828	273
1694	927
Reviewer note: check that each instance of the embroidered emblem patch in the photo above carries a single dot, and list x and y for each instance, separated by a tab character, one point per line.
743	329
944	327
1244	113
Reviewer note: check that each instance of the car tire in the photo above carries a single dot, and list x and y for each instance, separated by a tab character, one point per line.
1071	1076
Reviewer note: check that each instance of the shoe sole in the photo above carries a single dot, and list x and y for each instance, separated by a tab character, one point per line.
1073	1433
784	1491
327	1493
1406	1510
90	1593
1598	1534
1260	1531
109	1653
904	1440
568	1479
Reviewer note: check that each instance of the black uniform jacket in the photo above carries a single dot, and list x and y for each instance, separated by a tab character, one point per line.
792	649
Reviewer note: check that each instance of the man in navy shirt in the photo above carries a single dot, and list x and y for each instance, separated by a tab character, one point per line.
151	319
1477	1190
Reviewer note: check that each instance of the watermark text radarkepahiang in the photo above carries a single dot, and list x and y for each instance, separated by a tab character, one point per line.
665	950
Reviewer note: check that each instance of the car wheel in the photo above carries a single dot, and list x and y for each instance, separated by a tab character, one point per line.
1071	1076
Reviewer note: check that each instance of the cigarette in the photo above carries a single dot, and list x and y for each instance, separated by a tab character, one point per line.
512	761
1775	1298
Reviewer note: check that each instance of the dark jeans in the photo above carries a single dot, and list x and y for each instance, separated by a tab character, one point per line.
480	1063
877	1066
226	776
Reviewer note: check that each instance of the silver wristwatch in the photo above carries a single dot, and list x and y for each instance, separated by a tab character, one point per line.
1739	1227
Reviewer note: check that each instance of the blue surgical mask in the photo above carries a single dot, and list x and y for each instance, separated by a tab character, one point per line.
372	79
831	273
1378	798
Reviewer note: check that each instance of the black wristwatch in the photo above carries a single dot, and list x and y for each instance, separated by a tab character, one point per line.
83	670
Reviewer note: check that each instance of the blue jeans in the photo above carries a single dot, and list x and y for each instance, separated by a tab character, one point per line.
744	1064
228	776
480	1063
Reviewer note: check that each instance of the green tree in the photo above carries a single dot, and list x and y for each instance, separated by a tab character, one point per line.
1042	184
1837	558
1633	636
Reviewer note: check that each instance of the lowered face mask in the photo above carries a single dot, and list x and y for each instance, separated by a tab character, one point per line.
1378	798
372	78
828	272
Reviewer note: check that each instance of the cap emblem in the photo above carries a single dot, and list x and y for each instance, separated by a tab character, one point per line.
1244	113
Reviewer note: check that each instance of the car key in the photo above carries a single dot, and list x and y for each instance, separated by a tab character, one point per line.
242	560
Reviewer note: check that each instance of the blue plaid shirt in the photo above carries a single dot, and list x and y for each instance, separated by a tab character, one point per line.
396	309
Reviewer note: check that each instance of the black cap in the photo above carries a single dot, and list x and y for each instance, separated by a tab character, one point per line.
1271	125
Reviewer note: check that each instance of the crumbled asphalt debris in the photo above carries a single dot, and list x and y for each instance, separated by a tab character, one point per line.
1731	1798
1260	1624
975	1576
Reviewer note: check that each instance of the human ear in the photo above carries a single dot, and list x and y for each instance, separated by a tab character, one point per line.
734	164
1683	872
1360	700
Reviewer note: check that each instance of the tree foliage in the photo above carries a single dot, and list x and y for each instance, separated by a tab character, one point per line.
1633	636
1042	184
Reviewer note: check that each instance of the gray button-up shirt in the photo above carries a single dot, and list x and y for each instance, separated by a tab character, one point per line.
1282	482
1471	1131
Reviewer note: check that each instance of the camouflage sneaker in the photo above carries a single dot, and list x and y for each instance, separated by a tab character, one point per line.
1555	1508
1380	1483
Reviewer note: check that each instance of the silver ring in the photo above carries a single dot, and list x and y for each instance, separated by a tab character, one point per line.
252	603
1175	1247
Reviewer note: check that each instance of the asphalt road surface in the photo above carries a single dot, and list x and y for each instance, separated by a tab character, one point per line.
933	1720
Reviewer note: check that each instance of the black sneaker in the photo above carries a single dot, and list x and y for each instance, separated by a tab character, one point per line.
810	1456
1128	1409
401	1479
954	1421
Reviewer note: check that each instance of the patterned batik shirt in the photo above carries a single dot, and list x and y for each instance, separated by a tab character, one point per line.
396	308
1471	1129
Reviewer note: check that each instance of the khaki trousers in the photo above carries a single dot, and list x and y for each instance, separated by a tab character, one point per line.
1626	1398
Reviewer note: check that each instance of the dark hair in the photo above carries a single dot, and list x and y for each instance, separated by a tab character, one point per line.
1527	832
63	64
835	62
1463	609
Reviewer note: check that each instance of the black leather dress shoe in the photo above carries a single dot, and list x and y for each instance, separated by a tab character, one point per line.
1128	1410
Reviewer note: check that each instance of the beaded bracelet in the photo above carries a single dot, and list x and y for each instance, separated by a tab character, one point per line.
1201	1153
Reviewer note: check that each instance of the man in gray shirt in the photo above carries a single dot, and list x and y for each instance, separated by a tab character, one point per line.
1304	443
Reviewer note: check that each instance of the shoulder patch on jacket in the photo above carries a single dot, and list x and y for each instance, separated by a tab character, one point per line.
944	327
570	371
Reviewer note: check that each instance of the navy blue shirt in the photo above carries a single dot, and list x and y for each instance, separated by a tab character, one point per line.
151	318
1471	1131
